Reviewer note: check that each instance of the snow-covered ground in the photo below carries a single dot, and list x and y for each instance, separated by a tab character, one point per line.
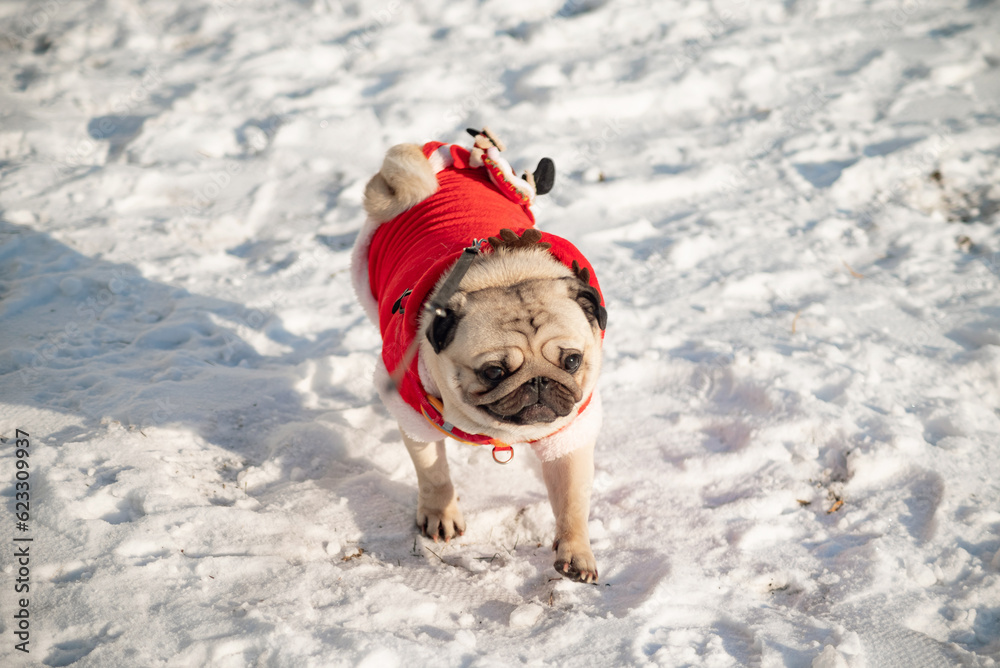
792	208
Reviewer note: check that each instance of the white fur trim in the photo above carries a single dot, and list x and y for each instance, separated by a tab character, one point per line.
410	421
580	432
441	158
359	269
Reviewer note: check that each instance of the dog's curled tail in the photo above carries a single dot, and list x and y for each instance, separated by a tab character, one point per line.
405	179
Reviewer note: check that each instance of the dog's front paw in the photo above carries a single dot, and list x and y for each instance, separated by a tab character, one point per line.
574	560
440	517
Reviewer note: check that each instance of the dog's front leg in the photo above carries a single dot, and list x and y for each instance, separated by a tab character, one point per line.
568	480
438	515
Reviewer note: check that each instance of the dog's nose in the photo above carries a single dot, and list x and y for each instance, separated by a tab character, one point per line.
540	381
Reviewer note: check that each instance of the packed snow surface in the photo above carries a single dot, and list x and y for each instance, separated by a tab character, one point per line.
792	209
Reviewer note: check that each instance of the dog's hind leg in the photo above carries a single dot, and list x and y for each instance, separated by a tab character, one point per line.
438	515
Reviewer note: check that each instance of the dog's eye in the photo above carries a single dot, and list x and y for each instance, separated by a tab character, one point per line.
573	362
492	373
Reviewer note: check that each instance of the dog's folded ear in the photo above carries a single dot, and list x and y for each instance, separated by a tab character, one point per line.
405	179
590	301
442	330
588	298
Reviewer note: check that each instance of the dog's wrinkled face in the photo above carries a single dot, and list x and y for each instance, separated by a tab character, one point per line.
522	348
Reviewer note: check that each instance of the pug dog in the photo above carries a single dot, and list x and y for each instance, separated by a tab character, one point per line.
491	330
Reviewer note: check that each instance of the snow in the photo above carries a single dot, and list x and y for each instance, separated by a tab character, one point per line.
792	208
